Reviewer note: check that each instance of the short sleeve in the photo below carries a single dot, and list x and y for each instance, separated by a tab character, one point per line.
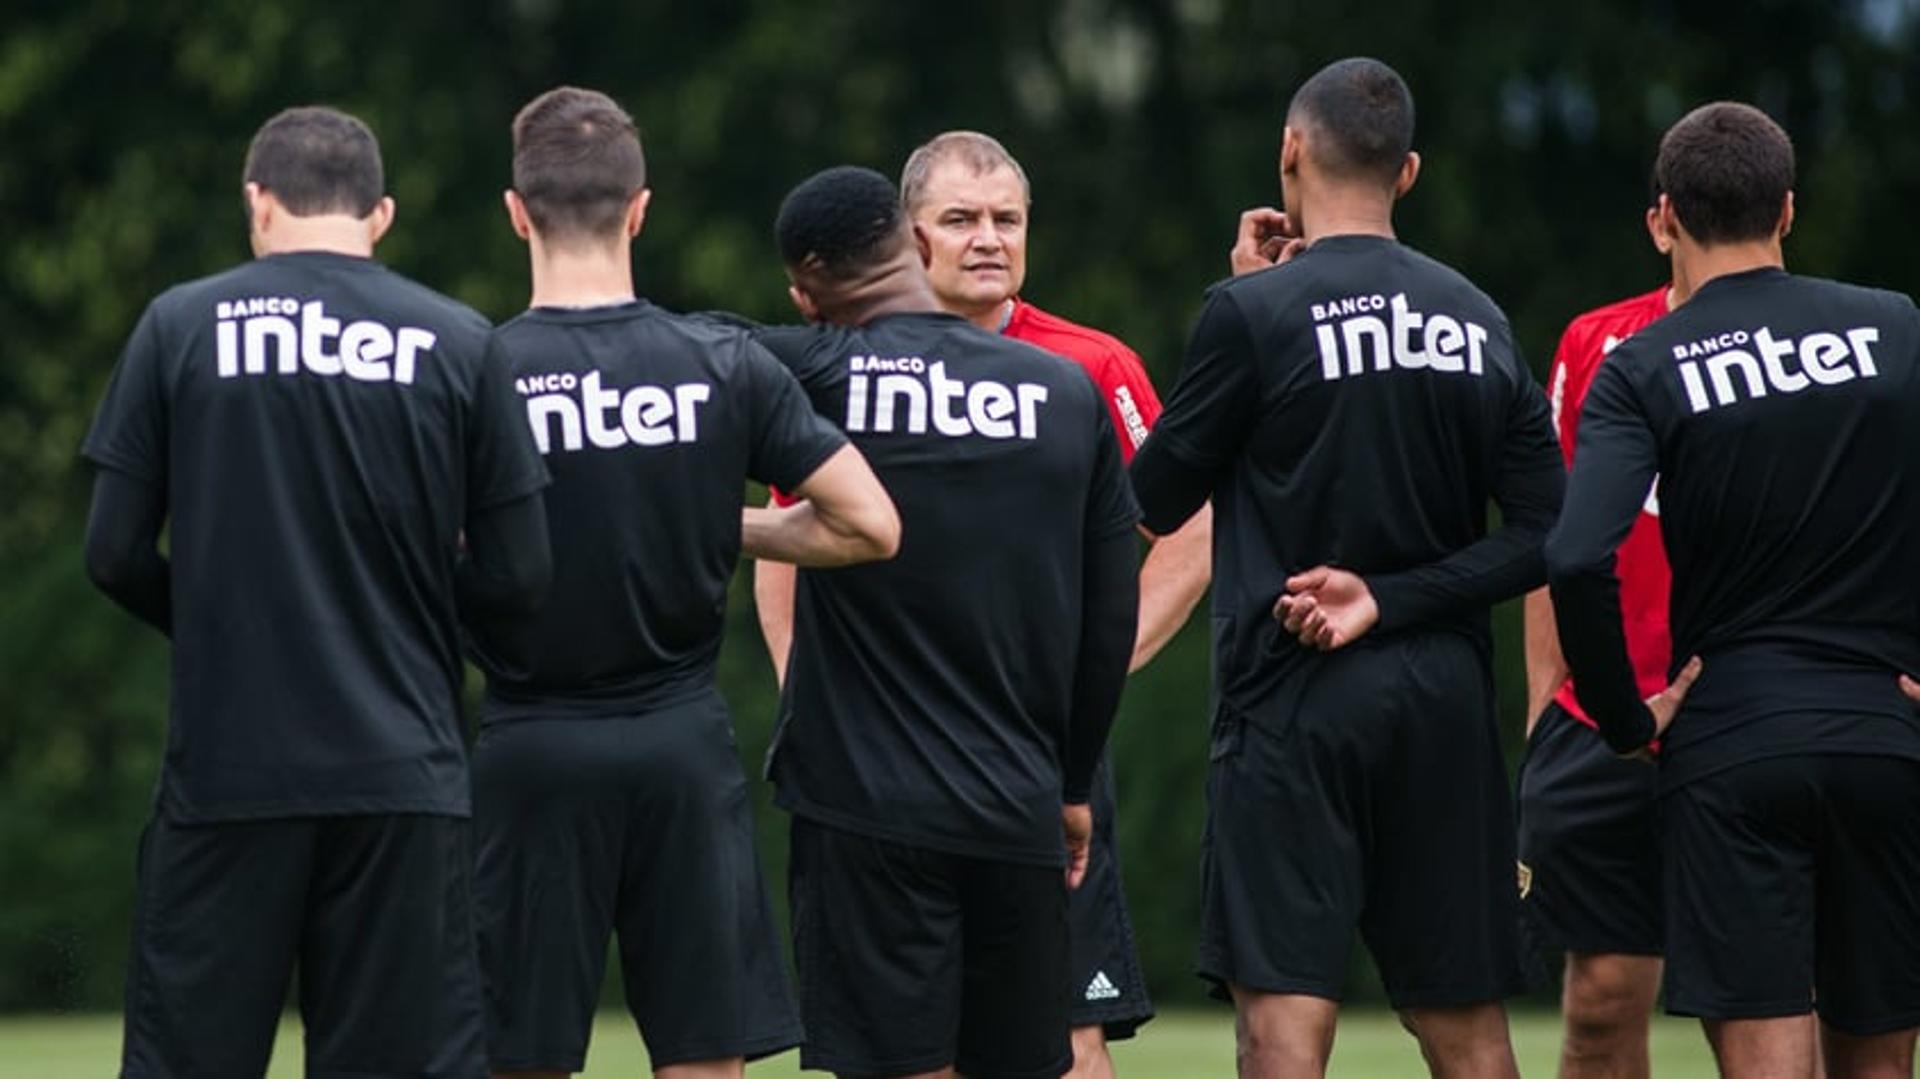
1110	505
1211	413
503	463
1566	422
1131	400
130	429
790	440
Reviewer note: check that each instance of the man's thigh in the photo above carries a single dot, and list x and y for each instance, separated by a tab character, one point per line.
878	936
1867	951
217	928
1014	1013
1589	844
1739	864
389	977
1442	912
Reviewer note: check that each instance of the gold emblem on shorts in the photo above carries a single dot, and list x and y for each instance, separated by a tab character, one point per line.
1526	878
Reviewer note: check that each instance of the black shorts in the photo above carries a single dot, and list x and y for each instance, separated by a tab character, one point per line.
1379	804
1792	885
912	960
1108	989
639	826
1589	843
375	912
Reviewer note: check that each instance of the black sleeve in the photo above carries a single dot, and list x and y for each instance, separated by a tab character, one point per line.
503	461
1110	506
1206	422
130	429
509	562
790	439
1109	611
1528	484
123	553
1615	463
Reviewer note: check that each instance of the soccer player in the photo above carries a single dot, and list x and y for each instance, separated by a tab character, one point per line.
968	201
944	712
1781	415
316	433
1588	838
1350	405
607	792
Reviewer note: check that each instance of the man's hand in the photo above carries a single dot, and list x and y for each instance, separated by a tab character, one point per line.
1267	238
1327	608
1666	704
1076	820
1911	688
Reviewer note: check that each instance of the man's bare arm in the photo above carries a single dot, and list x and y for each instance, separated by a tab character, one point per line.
773	585
1172	579
1546	666
846	517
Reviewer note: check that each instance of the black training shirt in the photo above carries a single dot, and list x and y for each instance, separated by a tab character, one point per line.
1782	416
929	698
1356	406
651	424
323	428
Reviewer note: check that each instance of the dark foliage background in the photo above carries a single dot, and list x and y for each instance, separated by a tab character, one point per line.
1145	124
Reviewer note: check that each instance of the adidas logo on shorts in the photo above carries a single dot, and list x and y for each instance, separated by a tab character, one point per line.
1102	987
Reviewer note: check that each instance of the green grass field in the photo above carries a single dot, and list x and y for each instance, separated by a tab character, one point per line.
1193	1043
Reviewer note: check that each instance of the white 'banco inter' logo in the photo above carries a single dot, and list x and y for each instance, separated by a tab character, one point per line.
1760	361
610	419
1349	336
880	389
365	350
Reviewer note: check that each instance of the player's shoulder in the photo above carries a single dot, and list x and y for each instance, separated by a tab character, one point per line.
1092	348
1619	318
1846	293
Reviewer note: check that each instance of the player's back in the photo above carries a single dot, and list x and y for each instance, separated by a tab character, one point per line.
928	695
1360	403
651	423
317	422
1783	410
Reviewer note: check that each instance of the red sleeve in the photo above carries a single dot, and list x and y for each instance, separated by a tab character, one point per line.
1567	381
1130	397
782	498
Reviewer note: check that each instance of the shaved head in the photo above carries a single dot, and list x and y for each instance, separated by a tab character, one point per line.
1360	117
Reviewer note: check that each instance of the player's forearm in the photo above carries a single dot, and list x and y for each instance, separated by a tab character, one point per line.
1172	580
1109	608
509	560
802	535
773	589
1546	666
1586	599
122	553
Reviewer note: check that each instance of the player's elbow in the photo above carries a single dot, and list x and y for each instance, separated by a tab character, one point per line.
1572	558
114	568
882	534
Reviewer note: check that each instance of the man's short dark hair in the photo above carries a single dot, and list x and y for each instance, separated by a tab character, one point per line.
1362	116
843	221
1726	167
577	164
317	160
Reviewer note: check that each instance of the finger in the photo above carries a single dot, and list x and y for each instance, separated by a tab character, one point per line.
1282	605
1684	681
1257	223
1309	580
1294	247
1911	688
1298	608
1076	866
1328	640
1272	247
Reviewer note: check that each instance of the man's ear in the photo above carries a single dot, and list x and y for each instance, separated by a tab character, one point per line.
1290	151
803	302
380	220
517	213
637	211
1786	217
1657	231
260	206
1409	172
923	245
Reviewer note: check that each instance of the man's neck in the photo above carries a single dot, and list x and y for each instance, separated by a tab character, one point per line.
335	234
1694	265
993	318
587	276
894	288
1346	212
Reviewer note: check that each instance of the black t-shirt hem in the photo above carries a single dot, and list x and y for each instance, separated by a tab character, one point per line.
788	480
125	464
913	837
174	810
529	484
496	710
1683	764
